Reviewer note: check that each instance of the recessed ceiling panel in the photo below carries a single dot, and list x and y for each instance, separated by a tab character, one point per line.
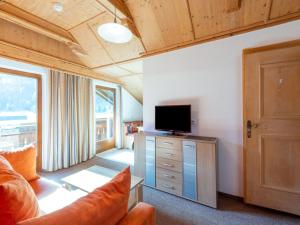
74	11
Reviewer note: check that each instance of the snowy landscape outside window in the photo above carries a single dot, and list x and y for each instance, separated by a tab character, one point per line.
18	111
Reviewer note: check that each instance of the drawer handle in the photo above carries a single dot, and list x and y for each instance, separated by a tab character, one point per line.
168	143
169	176
168	186
168	165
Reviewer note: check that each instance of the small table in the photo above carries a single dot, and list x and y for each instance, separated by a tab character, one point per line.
93	177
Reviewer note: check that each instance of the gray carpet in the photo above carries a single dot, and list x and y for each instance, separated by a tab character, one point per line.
172	210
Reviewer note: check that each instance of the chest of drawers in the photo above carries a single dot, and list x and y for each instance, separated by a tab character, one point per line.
181	165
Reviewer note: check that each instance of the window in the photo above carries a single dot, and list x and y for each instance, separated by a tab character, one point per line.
105	118
19	109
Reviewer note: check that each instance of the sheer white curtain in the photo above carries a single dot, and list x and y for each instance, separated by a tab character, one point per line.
70	135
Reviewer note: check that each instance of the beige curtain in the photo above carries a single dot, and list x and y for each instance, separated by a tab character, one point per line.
71	125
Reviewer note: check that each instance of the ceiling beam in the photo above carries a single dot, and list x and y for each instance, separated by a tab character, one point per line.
22	54
233	5
24	19
121	6
120	9
31	26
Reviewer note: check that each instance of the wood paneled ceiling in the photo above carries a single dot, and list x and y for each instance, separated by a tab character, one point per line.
158	25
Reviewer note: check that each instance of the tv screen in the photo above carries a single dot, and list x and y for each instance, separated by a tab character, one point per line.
173	118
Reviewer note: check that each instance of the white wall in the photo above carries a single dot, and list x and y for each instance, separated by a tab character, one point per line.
209	76
132	110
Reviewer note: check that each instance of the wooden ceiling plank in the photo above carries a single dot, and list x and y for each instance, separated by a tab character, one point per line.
74	11
233	5
86	21
118	52
22	54
134	85
31	26
227	33
268	10
12	14
96	54
121	7
283	7
29	16
97	38
119	62
19	17
191	20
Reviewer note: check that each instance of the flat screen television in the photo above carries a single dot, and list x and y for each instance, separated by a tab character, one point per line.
174	118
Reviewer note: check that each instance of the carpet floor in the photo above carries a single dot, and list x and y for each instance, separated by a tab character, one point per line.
172	210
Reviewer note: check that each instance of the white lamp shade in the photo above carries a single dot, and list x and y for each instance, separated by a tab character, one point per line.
115	33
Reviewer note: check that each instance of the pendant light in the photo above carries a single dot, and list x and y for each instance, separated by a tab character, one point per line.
114	32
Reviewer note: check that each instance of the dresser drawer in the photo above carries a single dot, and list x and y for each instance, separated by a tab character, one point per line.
169	175
169	164
168	186
171	143
169	153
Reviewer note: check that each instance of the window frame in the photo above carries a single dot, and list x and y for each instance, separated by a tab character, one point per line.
108	143
38	77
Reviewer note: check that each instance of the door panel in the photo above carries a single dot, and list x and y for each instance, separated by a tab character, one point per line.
280	163
280	90
272	140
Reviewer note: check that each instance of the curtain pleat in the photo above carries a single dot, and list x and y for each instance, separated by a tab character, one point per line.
71	136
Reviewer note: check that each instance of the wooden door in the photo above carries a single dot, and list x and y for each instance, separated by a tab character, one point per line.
272	126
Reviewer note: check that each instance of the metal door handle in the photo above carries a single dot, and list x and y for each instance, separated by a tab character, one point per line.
168	143
250	125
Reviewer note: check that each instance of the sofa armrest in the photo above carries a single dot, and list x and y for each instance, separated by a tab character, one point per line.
141	214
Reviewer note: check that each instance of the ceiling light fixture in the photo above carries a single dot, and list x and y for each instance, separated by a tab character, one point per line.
114	32
58	7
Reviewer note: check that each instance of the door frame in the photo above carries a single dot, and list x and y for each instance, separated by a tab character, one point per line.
108	143
244	80
38	78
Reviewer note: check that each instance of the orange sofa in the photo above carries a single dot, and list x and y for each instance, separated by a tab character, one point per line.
141	214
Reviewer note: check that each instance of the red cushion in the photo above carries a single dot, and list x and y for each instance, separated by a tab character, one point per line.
17	199
23	161
106	205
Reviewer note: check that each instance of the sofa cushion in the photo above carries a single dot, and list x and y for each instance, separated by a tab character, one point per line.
23	161
105	205
43	187
4	164
17	199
